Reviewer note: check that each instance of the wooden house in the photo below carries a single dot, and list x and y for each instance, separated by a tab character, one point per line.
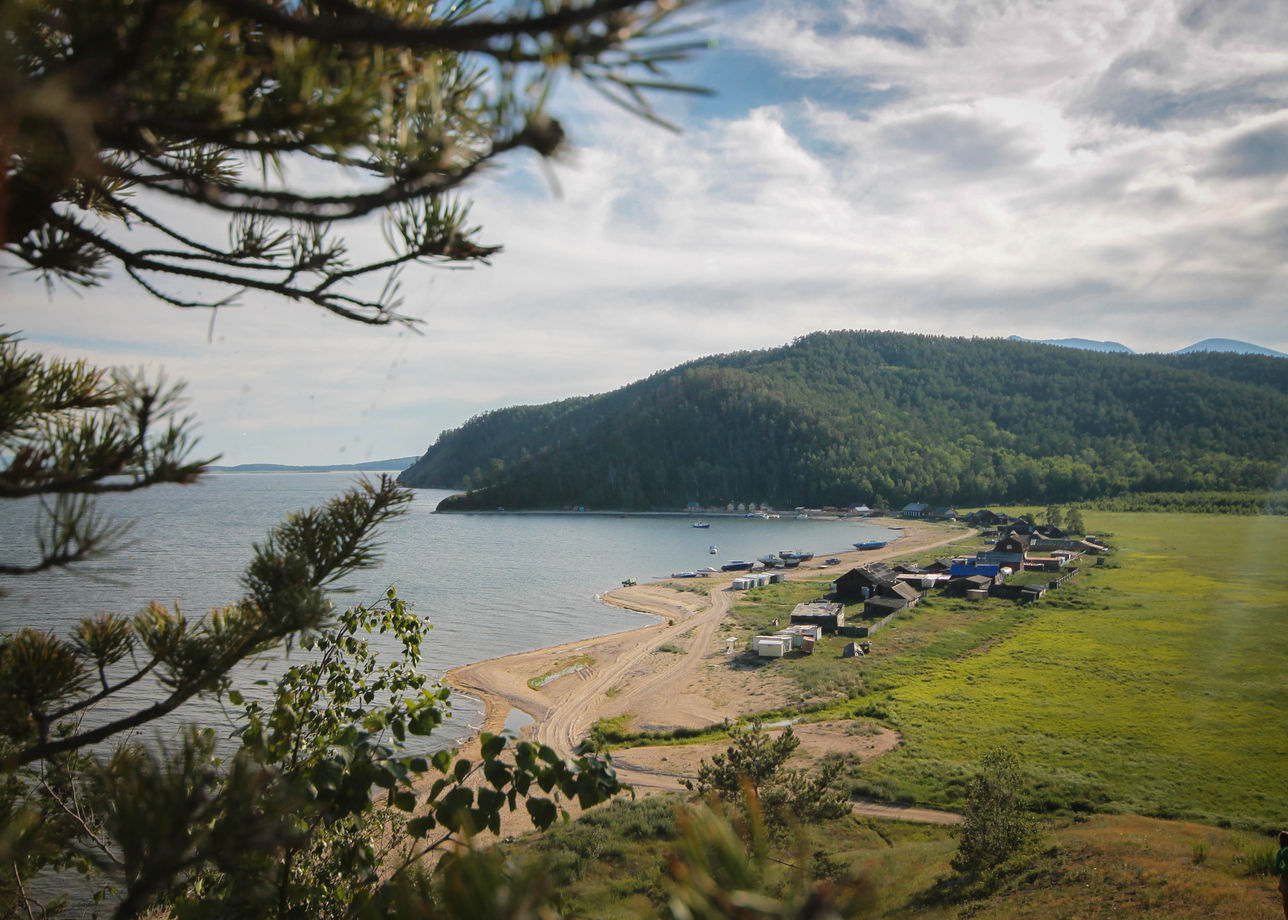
864	581
987	518
1009	551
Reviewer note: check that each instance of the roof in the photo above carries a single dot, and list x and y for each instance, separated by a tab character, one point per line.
962	570
886	603
905	591
1012	543
916	506
876	573
817	609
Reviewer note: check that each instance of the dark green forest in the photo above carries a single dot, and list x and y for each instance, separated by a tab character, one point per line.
882	418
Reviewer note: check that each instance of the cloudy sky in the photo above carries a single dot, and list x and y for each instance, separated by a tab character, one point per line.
1048	168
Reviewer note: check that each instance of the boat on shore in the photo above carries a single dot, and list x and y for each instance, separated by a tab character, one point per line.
737	565
871	544
797	556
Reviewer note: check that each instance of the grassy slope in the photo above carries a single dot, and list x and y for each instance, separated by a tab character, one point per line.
612	863
1156	685
1153	684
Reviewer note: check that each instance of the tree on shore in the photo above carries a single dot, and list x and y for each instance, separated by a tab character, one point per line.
755	766
995	822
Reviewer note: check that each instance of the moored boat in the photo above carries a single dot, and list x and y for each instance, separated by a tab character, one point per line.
701	525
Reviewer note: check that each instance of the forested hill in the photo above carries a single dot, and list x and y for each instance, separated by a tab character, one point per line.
882	418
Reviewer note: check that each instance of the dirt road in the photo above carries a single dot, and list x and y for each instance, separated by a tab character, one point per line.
696	686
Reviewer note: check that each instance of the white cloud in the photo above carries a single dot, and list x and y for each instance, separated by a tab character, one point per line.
1049	169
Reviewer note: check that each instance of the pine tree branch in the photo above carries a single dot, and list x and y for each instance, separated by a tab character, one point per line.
365	27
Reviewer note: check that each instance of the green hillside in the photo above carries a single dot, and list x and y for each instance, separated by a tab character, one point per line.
882	418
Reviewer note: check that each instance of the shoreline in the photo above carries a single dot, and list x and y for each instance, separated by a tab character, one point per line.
500	682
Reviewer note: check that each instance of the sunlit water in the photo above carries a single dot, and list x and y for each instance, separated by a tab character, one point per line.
491	584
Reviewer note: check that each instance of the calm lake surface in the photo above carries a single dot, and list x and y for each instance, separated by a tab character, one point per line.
491	584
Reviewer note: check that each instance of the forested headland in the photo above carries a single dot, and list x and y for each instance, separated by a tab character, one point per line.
883	418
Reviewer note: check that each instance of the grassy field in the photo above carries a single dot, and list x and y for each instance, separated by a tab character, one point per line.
1153	684
1150	687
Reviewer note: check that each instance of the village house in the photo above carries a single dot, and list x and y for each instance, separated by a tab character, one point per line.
987	518
880	588
1009	551
864	581
915	510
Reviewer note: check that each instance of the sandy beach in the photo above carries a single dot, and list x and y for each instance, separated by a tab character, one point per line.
672	673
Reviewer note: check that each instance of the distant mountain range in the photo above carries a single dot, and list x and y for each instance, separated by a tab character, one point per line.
883	418
1222	345
397	465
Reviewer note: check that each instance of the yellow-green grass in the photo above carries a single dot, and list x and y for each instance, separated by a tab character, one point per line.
1156	684
613	863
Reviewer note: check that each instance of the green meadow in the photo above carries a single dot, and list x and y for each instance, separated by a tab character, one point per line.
1152	684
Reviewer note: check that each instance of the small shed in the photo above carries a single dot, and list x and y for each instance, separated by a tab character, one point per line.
771	646
828	615
881	607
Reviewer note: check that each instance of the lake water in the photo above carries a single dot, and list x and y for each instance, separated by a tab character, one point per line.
491	584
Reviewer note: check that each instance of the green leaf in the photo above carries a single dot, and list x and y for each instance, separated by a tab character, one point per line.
497	773
492	745
419	827
542	811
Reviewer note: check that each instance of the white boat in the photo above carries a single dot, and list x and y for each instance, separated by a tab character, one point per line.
701	525
713	550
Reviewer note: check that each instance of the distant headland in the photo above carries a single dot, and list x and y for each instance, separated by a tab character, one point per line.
397	465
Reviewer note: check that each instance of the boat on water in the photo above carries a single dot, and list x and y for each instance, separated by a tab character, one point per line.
701	525
871	544
714	549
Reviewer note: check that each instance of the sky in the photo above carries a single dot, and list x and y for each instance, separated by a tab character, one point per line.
1081	168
